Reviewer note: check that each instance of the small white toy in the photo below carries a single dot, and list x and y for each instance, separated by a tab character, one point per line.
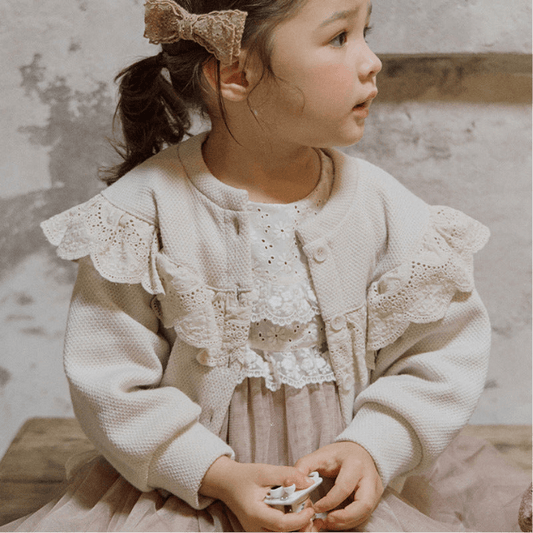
280	497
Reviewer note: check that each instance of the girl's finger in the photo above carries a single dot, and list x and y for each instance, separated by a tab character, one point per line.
306	464
278	521
348	518
318	524
310	527
286	476
312	462
365	501
345	484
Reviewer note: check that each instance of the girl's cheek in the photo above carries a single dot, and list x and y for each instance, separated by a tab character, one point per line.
334	82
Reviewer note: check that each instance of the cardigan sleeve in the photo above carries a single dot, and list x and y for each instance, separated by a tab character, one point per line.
115	356
427	340
424	389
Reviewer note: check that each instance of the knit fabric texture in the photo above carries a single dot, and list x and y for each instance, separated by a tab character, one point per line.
162	310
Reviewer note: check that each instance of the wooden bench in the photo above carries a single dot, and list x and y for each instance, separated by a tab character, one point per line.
32	470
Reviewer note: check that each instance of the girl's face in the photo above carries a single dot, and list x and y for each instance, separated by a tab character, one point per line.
326	76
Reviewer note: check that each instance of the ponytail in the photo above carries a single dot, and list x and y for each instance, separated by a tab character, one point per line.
150	112
155	112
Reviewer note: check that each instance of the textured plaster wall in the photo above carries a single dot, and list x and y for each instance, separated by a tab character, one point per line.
452	122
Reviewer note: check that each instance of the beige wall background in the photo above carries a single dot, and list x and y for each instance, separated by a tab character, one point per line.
452	122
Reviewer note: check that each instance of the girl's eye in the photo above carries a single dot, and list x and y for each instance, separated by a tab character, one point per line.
340	40
368	31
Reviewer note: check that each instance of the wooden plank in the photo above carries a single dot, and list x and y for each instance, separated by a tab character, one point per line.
19	499
41	448
512	441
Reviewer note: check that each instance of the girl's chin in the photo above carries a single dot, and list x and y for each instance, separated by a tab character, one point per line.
349	140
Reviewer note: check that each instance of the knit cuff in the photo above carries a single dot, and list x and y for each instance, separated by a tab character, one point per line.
387	437
181	466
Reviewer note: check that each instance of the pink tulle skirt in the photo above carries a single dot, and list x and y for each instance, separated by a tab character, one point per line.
470	488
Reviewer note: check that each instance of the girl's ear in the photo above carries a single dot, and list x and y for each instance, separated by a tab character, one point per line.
234	85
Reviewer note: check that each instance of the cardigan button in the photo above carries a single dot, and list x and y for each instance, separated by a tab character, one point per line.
321	254
338	323
347	382
203	358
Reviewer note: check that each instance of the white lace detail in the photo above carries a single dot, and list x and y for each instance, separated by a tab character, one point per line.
284	304
121	246
287	342
421	290
297	368
281	274
217	321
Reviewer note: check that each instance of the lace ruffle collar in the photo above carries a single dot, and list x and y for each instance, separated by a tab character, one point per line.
125	249
420	290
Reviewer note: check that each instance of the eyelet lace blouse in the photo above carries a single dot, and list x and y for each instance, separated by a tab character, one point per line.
287	342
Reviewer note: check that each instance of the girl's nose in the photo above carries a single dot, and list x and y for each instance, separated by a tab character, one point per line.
372	64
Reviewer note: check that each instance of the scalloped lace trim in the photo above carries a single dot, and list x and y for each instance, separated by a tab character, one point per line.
121	246
296	368
421	291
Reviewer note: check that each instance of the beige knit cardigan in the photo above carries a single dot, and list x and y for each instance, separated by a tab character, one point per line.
160	316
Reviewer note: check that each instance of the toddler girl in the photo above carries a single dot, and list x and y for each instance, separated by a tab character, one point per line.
251	304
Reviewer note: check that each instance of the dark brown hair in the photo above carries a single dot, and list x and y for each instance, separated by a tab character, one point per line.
155	112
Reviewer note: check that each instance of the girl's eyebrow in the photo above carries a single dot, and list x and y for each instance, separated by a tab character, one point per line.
339	15
344	15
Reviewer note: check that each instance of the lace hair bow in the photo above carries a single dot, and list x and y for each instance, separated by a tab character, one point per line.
219	32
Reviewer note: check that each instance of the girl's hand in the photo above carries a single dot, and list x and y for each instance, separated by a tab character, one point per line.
355	473
243	487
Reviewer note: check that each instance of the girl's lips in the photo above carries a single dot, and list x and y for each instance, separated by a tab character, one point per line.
362	110
368	101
